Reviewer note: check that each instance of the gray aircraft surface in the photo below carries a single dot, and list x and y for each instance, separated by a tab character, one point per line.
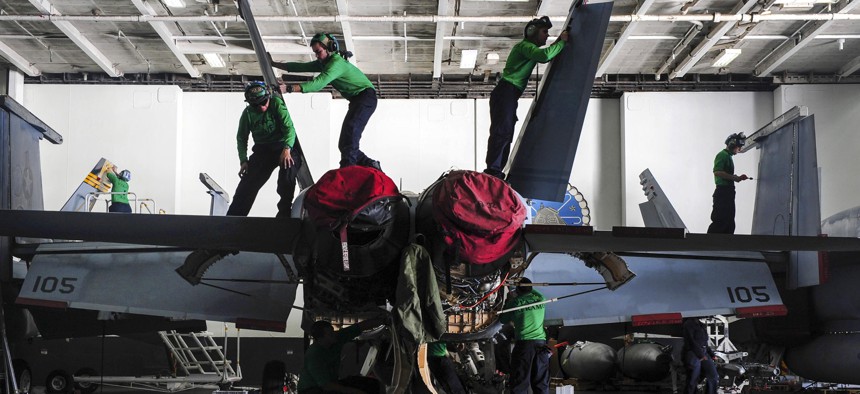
250	275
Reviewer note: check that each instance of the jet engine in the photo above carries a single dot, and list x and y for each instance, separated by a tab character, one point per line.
355	224
471	223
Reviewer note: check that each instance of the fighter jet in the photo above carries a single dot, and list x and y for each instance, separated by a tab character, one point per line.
258	259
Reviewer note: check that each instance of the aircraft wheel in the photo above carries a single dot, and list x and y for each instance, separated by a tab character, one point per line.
86	387
23	376
273	378
58	382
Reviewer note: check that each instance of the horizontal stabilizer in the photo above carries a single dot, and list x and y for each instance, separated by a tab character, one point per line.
129	279
567	239
232	233
663	284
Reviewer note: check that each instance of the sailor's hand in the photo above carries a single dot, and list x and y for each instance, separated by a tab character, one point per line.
286	160
291	88
243	169
743	177
564	36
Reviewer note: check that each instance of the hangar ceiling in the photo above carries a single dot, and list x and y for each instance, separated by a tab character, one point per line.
417	46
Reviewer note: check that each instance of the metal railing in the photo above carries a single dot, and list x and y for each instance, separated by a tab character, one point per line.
96	195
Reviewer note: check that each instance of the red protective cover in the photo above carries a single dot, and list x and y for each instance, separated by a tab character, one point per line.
480	211
342	193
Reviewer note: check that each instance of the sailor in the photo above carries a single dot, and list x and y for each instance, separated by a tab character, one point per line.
443	368
698	357
268	122
723	213
119	190
503	100
353	85
322	361
530	356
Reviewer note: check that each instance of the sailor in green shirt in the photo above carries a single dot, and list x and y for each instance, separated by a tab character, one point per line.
268	122
443	368
119	188
353	85
530	356
503	101
322	361
723	213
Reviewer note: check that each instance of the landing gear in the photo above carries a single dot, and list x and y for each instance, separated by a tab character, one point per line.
86	387
58	382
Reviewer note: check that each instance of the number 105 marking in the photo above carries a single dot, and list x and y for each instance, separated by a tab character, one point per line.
748	294
50	284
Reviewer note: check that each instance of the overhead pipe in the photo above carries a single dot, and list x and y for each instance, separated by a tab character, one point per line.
688	38
708	17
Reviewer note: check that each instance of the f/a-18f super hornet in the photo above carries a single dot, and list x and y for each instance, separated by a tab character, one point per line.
349	255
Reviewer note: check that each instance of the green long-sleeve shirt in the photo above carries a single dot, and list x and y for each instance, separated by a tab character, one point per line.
341	74
723	162
118	186
523	58
528	322
264	127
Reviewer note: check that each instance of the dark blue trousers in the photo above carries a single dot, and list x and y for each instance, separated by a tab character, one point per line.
503	118
695	369
444	372
119	207
360	108
260	166
723	213
530	367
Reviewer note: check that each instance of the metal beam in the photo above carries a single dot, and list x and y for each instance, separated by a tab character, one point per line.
625	34
347	29
109	67
800	39
442	9
849	68
166	36
713	37
277	48
18	61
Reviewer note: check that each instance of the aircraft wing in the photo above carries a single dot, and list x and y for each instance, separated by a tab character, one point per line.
666	288
571	239
231	233
252	289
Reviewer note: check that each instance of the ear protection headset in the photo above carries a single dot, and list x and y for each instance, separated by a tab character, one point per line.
736	139
327	41
256	93
535	24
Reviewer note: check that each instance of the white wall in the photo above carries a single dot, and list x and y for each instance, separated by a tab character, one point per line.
677	135
137	127
837	121
209	145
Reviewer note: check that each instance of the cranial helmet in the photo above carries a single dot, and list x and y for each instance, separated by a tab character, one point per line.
125	175
327	41
736	139
256	93
535	24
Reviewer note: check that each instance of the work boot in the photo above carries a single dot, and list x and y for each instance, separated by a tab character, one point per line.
197	263
495	173
373	164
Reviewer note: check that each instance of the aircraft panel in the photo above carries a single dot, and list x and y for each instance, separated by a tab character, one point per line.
542	158
133	279
663	284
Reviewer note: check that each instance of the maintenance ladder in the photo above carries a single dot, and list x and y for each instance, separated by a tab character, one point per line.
198	354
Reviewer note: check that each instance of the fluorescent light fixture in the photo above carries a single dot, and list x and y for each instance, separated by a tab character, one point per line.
468	58
213	60
492	58
726	57
175	3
